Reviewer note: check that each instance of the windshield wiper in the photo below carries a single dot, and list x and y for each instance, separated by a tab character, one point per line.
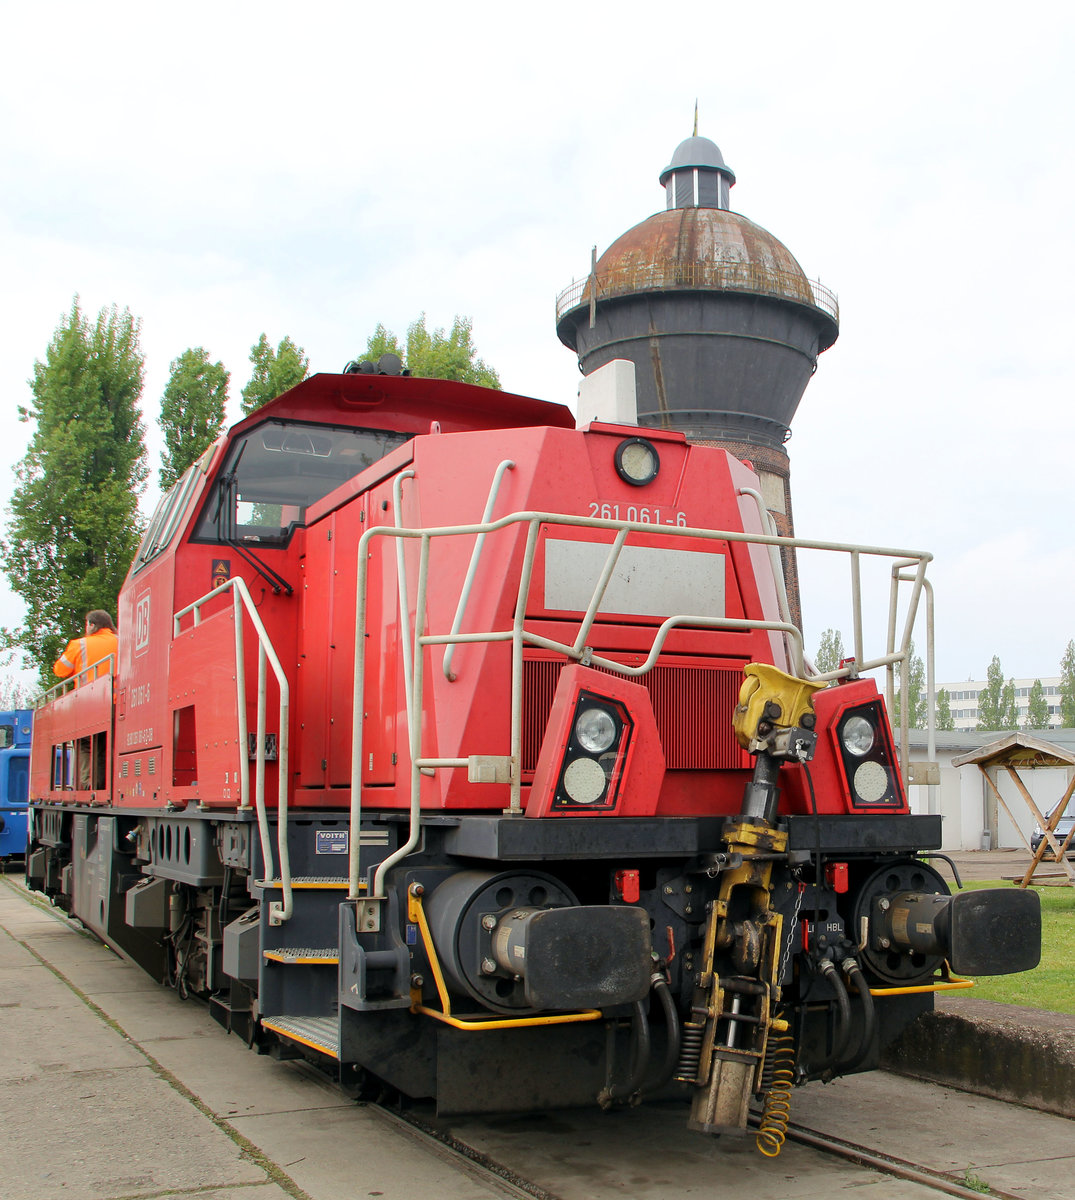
277	582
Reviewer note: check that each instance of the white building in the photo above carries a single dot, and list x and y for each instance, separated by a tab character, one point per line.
963	700
971	817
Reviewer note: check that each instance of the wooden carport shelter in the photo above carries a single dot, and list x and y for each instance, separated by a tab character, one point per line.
1020	751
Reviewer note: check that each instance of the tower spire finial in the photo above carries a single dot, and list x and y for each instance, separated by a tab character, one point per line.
695	134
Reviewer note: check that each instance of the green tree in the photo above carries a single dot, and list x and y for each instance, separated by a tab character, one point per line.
74	525
916	691
192	411
996	701
943	719
1037	716
14	693
275	371
436	355
382	341
1067	687
830	651
1009	710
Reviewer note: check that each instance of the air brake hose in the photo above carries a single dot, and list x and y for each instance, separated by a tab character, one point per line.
843	1019
671	1021
640	1055
869	1014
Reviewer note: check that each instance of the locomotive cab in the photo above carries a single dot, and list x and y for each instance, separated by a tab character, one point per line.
459	747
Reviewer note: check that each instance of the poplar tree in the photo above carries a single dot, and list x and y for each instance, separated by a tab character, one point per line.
1037	715
1067	687
436	355
192	411
916	691
275	371
830	652
943	720
996	701
74	525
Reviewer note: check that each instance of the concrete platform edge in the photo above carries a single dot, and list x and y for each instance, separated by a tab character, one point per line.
1018	1055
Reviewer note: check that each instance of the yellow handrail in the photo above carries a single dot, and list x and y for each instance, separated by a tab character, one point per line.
416	915
950	983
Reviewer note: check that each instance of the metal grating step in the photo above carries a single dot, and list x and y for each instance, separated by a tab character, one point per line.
303	954
319	1033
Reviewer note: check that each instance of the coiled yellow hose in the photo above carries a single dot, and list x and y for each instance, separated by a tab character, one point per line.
776	1113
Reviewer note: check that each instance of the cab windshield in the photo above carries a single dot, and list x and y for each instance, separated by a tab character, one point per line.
274	473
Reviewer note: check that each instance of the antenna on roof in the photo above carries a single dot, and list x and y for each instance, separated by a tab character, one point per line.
695	134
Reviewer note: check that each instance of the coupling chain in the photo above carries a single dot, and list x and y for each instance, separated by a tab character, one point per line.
792	926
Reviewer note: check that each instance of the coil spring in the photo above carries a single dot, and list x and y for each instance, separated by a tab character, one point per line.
778	1078
690	1053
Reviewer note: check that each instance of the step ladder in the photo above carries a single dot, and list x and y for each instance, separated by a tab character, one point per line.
299	982
318	1033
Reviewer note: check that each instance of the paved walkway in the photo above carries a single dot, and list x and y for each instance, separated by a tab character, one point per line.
112	1087
1005	865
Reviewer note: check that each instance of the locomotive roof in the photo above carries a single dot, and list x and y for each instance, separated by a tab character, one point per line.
408	404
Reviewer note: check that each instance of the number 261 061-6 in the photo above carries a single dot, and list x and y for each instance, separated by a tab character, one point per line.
631	512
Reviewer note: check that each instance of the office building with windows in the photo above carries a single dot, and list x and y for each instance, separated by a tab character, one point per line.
963	699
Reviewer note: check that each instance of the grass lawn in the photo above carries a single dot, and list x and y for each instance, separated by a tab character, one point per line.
1052	985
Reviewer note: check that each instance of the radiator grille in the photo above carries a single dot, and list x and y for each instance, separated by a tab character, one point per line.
693	707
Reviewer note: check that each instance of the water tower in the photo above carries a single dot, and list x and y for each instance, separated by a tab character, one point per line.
721	322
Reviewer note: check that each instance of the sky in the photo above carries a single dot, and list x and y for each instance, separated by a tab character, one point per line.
228	169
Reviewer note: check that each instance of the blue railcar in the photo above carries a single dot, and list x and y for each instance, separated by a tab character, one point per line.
15	727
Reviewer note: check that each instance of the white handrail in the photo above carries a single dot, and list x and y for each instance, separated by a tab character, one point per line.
519	636
769	525
401	588
921	585
414	731
266	653
472	569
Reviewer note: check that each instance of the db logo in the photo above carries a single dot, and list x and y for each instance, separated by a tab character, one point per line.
141	624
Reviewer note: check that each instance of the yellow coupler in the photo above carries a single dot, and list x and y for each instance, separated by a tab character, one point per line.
734	1012
734	1005
771	703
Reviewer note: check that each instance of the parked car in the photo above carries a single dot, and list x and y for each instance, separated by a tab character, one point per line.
1062	830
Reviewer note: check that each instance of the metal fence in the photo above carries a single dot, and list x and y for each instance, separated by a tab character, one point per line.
716	276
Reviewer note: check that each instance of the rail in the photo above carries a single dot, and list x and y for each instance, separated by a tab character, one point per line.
243	602
925	587
417	638
472	569
94	671
669	274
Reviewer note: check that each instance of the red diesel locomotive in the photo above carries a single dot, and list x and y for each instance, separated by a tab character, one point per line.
472	753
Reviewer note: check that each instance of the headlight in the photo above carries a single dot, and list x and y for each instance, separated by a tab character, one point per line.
593	758
871	782
637	462
595	730
584	780
857	736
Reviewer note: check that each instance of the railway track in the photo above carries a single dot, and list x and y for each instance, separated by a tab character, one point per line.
466	1149
465	1157
937	1181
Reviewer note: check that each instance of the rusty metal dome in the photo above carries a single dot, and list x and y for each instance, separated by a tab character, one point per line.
709	249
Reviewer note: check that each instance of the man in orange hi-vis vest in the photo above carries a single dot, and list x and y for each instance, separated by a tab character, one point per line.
100	642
